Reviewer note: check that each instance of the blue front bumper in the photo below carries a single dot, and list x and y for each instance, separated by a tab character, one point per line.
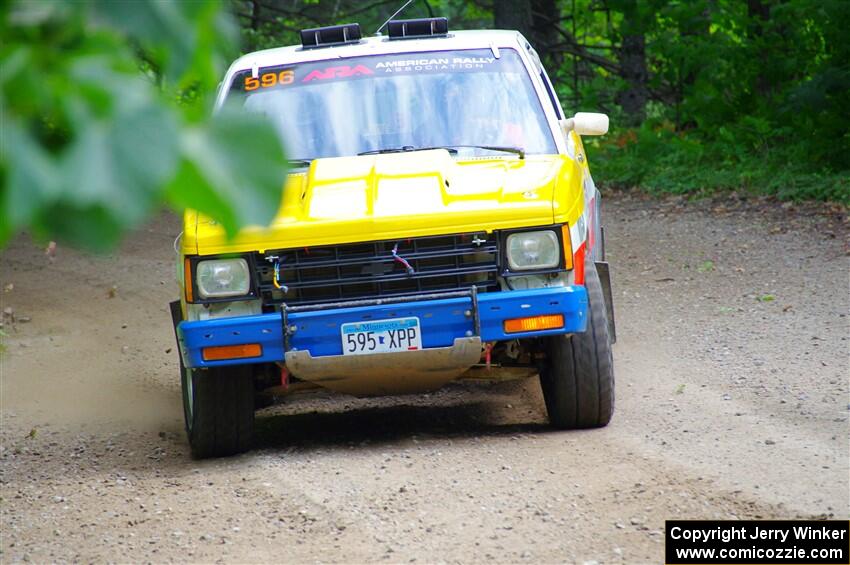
441	321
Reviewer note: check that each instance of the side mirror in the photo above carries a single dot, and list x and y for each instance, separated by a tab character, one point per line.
586	123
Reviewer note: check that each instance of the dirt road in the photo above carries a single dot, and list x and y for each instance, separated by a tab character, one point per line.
732	401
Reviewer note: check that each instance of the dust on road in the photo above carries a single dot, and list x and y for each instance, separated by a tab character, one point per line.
732	401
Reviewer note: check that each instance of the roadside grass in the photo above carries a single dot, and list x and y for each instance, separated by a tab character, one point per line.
658	161
706	266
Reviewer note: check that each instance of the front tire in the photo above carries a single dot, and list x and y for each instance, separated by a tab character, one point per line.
578	379
218	407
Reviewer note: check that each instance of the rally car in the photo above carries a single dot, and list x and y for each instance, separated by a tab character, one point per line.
439	222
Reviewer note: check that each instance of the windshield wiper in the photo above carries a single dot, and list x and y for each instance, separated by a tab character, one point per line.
299	162
401	149
450	148
517	150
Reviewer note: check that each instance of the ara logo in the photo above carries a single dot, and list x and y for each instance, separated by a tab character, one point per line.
343	71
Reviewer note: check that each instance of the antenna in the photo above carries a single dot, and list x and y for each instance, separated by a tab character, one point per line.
397	12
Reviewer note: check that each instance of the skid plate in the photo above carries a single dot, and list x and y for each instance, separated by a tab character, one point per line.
380	374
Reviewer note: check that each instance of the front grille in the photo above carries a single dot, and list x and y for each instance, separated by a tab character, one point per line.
352	271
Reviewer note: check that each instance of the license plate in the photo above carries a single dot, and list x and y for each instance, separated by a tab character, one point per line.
381	336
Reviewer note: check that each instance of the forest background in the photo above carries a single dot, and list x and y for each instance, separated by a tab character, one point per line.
105	106
703	95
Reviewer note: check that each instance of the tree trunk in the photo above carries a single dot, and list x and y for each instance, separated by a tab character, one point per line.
633	69
255	15
634	97
513	14
758	13
545	16
694	33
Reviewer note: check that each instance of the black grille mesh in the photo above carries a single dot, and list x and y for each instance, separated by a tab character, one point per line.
368	270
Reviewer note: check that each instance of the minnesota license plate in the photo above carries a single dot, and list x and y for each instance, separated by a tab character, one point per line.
381	336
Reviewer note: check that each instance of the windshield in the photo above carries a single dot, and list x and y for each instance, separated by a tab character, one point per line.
351	106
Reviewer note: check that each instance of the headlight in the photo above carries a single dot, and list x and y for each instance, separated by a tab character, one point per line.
533	250
222	278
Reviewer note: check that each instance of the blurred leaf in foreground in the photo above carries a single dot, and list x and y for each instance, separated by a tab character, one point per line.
105	109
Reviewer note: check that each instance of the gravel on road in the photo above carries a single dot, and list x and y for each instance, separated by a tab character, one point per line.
732	402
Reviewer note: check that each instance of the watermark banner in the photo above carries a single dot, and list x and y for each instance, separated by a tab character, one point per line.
763	542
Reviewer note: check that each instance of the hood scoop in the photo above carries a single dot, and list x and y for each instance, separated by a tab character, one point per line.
379	185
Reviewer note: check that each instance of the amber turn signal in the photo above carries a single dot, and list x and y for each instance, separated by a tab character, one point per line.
223	352
534	323
568	247
187	279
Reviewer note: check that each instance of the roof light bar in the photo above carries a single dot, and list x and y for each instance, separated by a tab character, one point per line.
330	36
415	29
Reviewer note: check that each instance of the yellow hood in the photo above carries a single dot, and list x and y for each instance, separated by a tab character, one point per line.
376	197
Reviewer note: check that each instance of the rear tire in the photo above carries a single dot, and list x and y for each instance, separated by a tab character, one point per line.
578	379
218	406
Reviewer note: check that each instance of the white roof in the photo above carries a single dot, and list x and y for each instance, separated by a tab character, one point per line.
477	39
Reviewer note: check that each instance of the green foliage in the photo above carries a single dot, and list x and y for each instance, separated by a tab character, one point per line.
737	100
105	109
105	105
661	160
739	95
706	266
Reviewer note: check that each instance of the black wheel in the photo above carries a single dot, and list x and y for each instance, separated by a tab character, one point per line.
578	378
218	406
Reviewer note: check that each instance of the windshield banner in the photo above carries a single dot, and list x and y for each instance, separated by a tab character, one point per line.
289	76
